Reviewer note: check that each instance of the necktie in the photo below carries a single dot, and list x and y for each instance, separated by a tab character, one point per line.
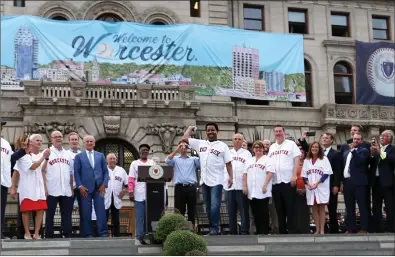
91	158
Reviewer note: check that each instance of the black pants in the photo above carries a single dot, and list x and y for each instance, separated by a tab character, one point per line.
302	211
332	209
260	211
352	194
4	193
284	199
116	226
185	196
77	195
66	210
379	194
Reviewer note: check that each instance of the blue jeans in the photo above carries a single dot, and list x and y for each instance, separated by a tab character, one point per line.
212	198
236	201
139	214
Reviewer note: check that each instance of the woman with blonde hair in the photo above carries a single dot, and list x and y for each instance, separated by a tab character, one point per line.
257	185
31	185
315	172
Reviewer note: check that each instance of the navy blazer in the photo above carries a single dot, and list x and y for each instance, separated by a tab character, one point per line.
358	166
386	167
85	175
335	160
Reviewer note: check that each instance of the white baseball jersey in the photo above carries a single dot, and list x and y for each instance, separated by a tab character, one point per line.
117	180
59	172
140	188
257	171
6	152
213	157
282	160
73	154
31	182
314	172
239	165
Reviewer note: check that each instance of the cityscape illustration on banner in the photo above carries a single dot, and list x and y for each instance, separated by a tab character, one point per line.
216	60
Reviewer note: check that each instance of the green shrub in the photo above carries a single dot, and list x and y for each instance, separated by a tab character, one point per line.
168	223
181	242
195	253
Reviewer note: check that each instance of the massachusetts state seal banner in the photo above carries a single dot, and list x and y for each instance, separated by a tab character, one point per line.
375	73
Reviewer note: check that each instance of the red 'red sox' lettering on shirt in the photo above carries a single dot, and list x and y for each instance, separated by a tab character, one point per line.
239	159
59	160
4	150
285	152
314	171
257	165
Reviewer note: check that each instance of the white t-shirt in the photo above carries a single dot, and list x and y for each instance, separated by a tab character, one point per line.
58	172
72	165
6	152
213	157
314	172
140	188
239	165
282	160
256	176
31	182
117	179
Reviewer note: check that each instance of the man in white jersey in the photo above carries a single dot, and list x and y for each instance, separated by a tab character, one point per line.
137	191
214	156
284	156
117	188
6	152
57	173
235	200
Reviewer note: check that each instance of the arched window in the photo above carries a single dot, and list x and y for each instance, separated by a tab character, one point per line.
343	81
59	18
158	23
110	17
308	85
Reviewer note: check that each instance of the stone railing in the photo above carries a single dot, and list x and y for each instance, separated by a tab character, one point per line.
366	115
81	90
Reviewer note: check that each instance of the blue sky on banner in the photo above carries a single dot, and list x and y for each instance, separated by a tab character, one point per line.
200	45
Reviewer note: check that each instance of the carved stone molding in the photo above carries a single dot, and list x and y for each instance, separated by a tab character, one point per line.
159	14
58	8
92	9
282	122
167	133
112	124
48	127
216	119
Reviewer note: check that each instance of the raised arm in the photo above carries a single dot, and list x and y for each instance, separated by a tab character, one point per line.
187	134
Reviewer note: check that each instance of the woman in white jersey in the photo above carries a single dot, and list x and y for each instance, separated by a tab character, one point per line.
257	184
315	172
31	185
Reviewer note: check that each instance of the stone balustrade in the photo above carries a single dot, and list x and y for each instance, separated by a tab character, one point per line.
82	90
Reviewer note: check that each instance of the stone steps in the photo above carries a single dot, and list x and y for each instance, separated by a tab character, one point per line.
374	244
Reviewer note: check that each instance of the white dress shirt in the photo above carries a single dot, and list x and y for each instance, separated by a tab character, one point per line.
91	157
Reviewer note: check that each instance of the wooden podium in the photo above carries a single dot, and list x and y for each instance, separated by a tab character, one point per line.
155	177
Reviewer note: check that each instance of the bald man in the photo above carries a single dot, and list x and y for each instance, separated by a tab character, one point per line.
91	178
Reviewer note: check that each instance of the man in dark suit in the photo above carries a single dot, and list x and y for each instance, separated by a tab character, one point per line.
355	180
382	175
335	159
91	178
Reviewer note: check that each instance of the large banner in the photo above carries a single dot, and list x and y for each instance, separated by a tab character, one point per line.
375	73
216	60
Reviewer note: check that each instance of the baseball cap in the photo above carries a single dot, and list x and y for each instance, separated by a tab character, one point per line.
3	123
144	145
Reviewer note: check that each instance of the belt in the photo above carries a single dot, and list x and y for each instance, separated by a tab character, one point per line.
185	185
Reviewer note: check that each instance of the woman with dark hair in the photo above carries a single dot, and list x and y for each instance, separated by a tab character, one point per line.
257	184
302	209
315	172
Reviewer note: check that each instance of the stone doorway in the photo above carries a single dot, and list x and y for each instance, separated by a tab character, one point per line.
125	152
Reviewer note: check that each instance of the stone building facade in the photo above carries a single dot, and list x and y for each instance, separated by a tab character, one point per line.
158	116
